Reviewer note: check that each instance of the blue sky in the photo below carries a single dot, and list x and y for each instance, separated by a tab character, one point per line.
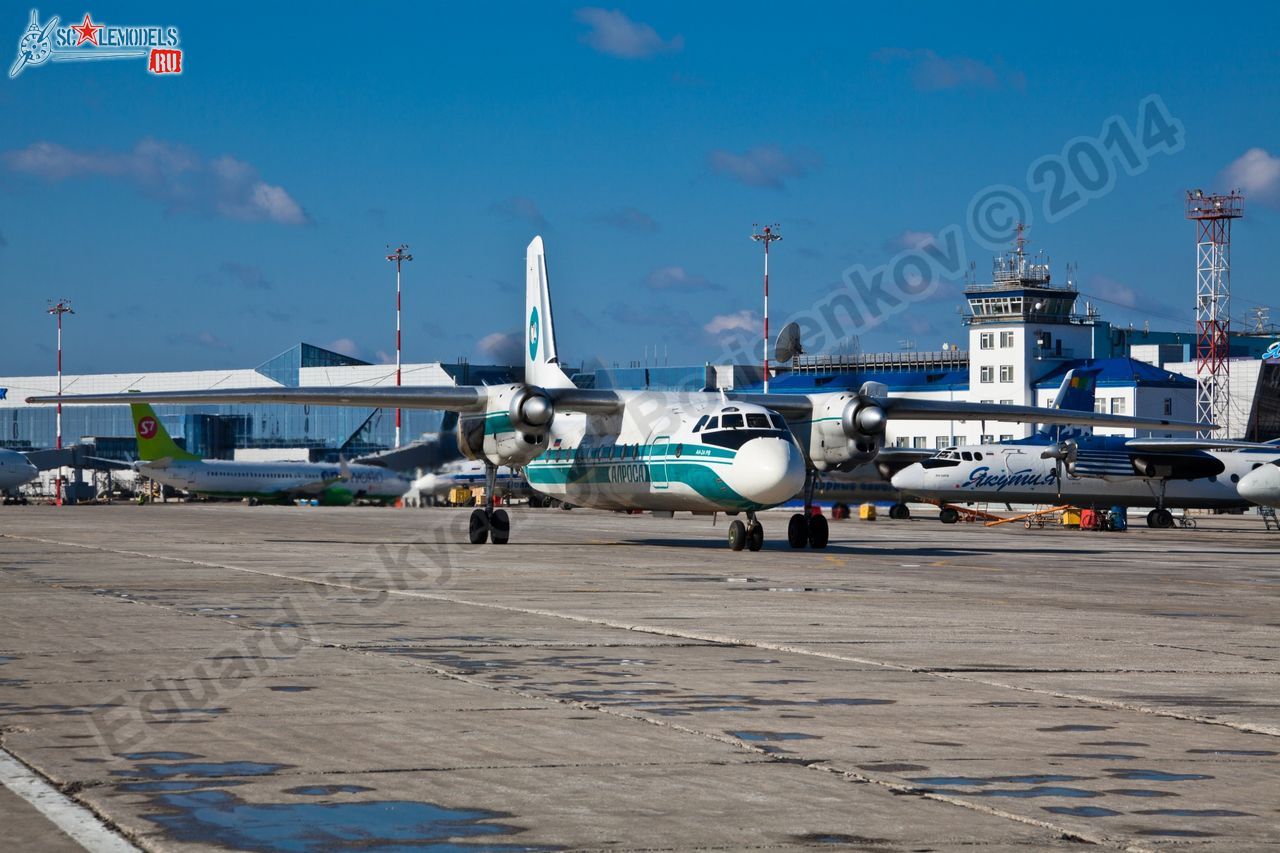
216	218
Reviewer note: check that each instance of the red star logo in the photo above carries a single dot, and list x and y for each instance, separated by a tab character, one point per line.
88	31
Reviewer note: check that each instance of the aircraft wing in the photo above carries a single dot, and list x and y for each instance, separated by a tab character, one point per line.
947	410
1176	445
465	398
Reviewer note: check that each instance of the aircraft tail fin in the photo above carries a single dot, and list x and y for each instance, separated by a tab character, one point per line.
1076	394
154	442
542	363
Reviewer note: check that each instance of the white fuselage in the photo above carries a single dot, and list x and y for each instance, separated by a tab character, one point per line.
15	470
467	474
706	455
277	480
1018	474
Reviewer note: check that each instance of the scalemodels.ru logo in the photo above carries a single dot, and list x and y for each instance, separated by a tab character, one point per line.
89	41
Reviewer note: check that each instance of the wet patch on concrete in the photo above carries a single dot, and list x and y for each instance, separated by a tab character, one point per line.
890	767
1044	791
1140	792
202	769
1254	752
1156	775
1082	811
160	756
1176	833
1097	756
838	838
223	819
1196	813
757	735
327	790
1075	728
290	688
1113	743
174	785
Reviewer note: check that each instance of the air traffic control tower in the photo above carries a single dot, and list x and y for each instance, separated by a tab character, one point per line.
1022	326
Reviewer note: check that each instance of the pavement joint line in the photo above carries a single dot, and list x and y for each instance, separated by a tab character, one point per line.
924	793
80	823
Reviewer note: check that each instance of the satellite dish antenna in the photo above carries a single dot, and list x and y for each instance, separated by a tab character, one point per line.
788	345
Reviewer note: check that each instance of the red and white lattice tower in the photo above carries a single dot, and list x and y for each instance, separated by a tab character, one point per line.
1213	215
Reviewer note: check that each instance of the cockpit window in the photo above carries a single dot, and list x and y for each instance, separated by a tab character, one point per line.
977	455
757	420
714	423
966	456
731	421
701	421
778	420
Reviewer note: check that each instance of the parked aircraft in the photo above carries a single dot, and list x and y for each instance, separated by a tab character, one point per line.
15	470
161	459
650	450
1090	471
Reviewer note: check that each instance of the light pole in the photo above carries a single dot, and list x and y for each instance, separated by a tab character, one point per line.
399	256
63	306
767	236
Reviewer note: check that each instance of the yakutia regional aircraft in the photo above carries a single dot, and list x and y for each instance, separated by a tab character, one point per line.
650	450
335	485
1091	471
15	470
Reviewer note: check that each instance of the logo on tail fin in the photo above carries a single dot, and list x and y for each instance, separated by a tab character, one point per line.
533	334
147	427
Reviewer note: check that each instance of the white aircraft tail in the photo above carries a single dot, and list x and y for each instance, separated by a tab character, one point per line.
541	363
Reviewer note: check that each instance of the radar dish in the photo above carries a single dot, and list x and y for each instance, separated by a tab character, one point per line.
788	345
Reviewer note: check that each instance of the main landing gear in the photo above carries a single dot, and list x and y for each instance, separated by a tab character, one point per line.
1160	517
489	523
806	528
749	535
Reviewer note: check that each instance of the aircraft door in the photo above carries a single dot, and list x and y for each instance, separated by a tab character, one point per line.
658	462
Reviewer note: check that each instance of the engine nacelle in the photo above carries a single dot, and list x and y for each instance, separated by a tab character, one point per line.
848	429
514	429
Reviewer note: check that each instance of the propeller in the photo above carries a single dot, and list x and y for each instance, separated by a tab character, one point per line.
1063	455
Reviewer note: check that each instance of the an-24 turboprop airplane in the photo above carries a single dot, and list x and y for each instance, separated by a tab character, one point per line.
704	451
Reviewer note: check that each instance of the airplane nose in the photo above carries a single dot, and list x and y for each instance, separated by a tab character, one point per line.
1261	486
768	471
908	478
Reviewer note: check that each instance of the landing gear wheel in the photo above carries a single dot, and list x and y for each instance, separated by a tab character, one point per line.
1163	518
899	512
818	531
478	528
500	527
737	536
755	536
798	531
947	515
1151	518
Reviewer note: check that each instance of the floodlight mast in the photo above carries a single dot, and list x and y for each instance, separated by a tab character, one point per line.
399	256
63	306
766	236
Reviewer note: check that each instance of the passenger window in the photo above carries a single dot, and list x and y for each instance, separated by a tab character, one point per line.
679	450
714	423
966	456
701	421
732	421
757	421
977	455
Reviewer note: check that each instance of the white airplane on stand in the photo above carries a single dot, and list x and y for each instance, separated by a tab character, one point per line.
704	451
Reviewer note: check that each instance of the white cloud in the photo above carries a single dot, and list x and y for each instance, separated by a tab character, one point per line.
630	219
1257	173
739	321
763	165
345	346
611	32
503	347
173	175
677	278
909	239
522	208
931	72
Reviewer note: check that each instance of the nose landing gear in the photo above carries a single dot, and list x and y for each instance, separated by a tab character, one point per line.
749	535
